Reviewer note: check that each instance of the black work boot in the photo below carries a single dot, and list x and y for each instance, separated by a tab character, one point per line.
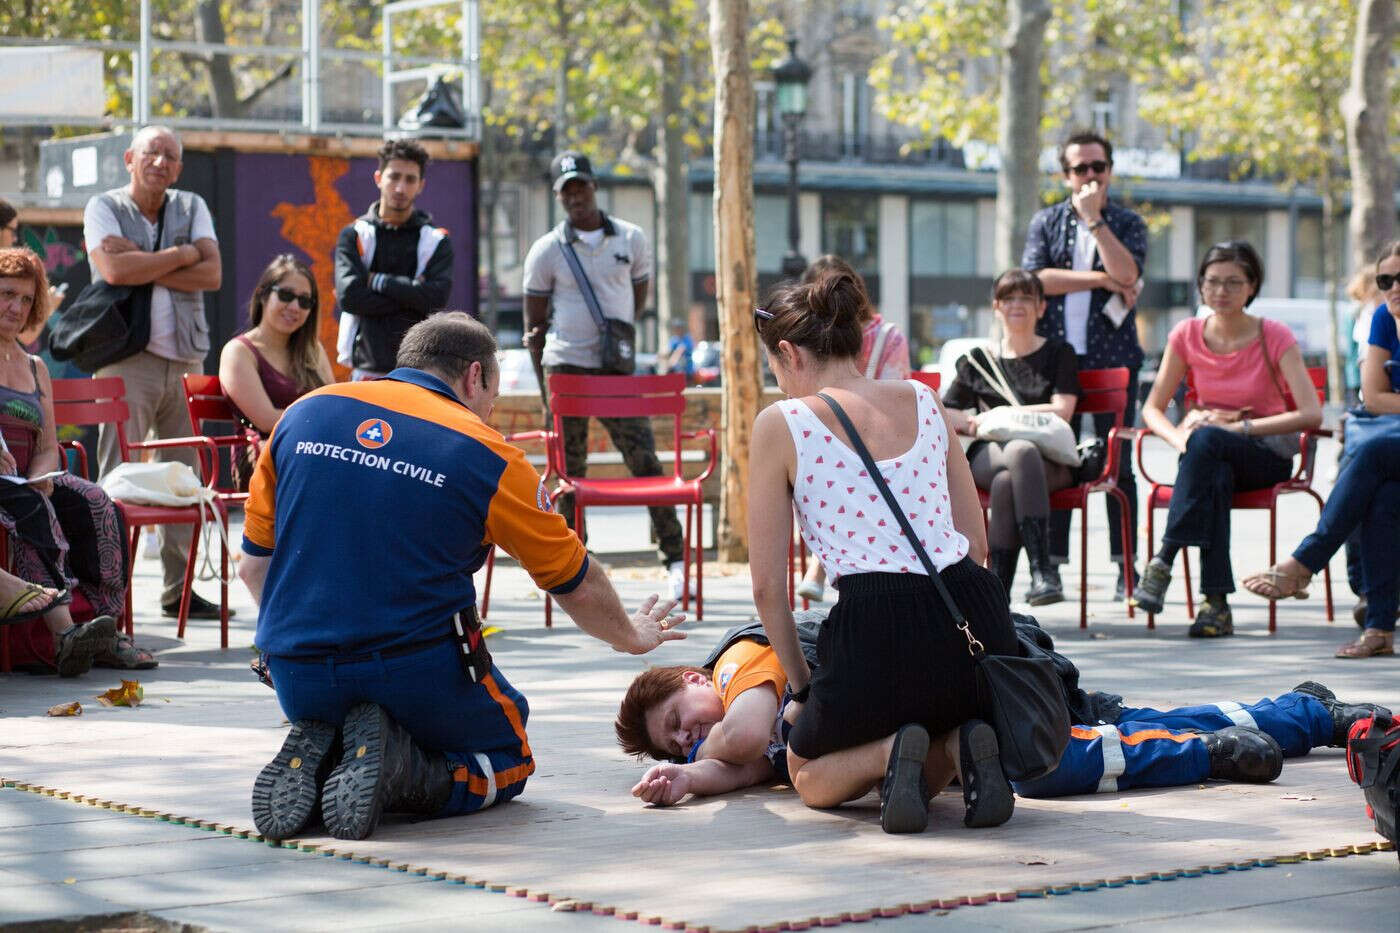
1003	564
287	792
1344	715
381	771
1045	576
1239	753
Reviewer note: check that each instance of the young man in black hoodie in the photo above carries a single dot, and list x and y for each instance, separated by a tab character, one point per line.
392	266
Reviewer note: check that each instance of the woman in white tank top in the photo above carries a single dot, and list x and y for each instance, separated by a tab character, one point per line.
893	702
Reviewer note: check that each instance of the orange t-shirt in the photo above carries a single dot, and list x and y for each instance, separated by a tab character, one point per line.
746	665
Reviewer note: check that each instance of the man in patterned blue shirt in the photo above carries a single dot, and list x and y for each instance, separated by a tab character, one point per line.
1089	255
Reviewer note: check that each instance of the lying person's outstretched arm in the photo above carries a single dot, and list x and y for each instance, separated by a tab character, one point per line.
667	783
744	733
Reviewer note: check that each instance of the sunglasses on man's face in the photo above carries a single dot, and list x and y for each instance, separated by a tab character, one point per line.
759	316
1099	166
1386	282
287	296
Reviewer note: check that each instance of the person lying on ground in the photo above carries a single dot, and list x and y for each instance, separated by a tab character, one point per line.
671	714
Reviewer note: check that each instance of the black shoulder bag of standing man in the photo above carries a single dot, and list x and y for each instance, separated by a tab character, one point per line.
619	357
1024	695
105	323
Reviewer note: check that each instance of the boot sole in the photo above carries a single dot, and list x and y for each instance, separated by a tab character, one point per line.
994	803
91	639
1046	599
286	793
353	800
902	805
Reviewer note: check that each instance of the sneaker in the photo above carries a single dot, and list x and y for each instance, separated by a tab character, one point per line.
1238	753
812	591
287	792
200	608
904	794
82	642
986	794
1343	714
1150	593
1120	591
1212	622
675	576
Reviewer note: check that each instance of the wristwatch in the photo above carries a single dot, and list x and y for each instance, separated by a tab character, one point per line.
1096	224
800	696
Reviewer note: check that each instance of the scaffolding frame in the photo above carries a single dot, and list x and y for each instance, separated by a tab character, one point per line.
395	69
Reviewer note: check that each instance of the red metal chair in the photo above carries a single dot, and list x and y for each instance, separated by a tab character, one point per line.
517	439
91	402
1160	497
206	402
1102	391
642	397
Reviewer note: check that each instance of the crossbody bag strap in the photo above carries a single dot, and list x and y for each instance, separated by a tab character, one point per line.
584	286
872	366
994	375
974	647
1273	373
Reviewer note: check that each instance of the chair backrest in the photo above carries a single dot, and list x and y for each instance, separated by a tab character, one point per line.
1103	390
932	380
83	402
618	397
206	401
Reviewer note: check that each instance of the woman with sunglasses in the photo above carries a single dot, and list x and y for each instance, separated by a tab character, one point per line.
279	357
1252	397
1367	492
894	702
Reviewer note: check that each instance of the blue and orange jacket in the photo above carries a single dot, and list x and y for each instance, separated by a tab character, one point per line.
376	502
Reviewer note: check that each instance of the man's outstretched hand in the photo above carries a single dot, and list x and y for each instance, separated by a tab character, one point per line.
663	784
654	624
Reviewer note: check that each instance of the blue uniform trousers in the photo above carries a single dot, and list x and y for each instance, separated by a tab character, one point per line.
1152	748
479	727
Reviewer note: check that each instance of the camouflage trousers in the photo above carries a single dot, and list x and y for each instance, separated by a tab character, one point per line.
633	439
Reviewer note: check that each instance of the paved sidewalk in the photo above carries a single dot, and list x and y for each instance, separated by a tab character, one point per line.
752	858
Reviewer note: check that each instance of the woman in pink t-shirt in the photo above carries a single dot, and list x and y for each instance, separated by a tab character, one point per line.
1241	433
884	354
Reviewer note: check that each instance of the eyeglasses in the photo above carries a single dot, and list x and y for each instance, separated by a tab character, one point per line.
1099	166
1386	282
10	296
287	296
1211	284
759	316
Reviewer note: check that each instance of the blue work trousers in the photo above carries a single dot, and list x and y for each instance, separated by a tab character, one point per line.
479	727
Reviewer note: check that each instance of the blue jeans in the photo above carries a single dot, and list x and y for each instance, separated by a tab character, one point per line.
1367	496
479	727
1217	464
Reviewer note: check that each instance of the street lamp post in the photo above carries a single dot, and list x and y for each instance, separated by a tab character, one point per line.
791	76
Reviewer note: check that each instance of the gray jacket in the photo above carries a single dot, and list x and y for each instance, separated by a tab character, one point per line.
191	326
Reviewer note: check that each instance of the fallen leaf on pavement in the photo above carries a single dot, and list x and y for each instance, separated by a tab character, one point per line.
67	709
491	630
1297	797
128	694
1035	860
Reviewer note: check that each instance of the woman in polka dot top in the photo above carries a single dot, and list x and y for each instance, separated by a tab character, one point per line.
893	702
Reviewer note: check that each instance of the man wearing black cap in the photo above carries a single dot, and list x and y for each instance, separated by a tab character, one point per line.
614	258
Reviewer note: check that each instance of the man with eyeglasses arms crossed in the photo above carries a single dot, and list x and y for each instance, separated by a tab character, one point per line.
120	228
1089	254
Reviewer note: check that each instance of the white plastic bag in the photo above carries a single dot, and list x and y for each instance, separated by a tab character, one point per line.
172	484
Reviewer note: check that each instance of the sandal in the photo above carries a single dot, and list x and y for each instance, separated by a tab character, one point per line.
125	656
1271	583
1372	643
13	613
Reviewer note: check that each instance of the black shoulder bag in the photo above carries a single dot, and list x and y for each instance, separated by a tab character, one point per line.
1024	695
105	323
619	355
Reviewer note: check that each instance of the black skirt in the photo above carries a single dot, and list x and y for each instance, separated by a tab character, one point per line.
890	654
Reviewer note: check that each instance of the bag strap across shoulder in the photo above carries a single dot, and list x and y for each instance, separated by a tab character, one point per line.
994	374
974	647
584	286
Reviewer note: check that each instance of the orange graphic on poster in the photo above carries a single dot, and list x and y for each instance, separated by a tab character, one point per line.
313	229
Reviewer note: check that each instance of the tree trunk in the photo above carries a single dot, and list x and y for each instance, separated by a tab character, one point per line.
209	27
28	179
1335	388
672	201
1018	126
561	81
1366	109
491	198
735	277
